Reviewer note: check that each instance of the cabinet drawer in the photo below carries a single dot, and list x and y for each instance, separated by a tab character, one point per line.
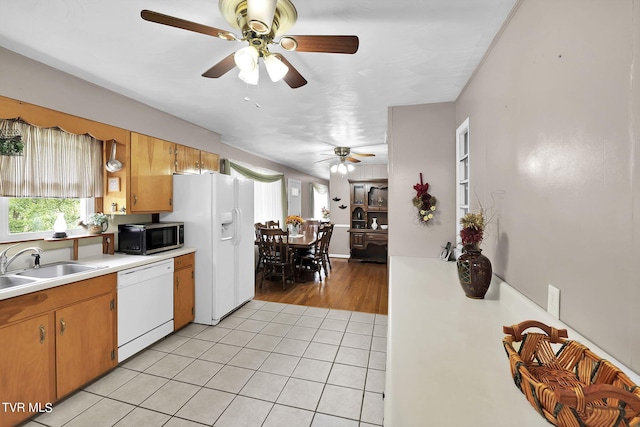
377	237
183	261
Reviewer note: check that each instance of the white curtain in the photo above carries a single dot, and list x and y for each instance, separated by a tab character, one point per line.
55	163
268	197
319	199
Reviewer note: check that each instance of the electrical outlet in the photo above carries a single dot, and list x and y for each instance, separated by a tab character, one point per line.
553	301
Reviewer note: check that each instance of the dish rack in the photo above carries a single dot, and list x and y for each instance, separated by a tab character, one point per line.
570	386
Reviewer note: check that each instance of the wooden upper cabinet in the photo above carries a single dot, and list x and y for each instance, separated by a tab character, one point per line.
193	161
209	162
152	163
187	160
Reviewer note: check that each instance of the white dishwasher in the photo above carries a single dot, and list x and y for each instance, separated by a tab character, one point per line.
145	306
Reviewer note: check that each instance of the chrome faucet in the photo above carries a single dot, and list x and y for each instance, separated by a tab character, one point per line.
5	262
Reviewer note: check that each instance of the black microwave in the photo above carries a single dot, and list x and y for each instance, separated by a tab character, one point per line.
149	238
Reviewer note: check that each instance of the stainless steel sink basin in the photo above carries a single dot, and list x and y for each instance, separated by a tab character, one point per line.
10	281
55	270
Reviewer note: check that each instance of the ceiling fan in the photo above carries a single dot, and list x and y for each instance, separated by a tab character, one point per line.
262	23
345	155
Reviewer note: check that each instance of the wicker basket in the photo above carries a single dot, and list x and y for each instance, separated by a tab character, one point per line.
570	386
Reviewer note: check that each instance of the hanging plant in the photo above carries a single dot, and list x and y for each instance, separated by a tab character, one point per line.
424	202
11	143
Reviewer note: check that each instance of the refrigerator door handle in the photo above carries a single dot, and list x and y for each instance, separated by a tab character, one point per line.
237	218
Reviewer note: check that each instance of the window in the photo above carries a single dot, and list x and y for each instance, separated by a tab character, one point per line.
462	174
27	218
267	196
267	201
320	199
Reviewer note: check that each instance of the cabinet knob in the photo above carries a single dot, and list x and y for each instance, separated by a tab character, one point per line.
63	326
43	334
177	282
135	199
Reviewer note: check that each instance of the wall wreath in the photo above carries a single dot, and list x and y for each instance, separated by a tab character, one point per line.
424	202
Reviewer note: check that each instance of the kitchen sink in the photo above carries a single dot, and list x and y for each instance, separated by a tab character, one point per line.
10	281
55	270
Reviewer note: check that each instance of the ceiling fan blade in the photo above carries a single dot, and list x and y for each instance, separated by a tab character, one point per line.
363	154
323	160
220	68
353	160
327	44
293	78
172	21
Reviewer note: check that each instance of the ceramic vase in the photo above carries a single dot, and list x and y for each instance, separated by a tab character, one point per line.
474	272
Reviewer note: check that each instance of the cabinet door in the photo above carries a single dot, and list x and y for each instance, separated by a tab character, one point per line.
357	240
152	164
183	297
26	367
209	162
377	195
85	342
187	160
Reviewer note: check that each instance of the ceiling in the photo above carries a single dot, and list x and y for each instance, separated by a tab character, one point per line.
411	52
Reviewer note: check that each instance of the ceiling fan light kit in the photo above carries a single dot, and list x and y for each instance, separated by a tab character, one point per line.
250	77
246	58
260	22
276	68
342	168
261	14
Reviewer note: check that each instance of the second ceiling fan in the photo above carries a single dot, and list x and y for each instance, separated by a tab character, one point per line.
262	23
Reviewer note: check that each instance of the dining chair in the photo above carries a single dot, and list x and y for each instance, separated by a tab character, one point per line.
325	251
272	224
257	227
277	256
313	260
309	226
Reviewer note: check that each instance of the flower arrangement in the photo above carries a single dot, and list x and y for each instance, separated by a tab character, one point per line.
424	201
294	219
96	219
472	231
325	213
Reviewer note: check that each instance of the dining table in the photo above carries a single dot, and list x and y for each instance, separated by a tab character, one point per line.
302	241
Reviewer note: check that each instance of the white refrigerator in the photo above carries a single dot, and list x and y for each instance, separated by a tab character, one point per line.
217	211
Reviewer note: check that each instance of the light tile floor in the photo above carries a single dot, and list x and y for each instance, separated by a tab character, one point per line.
268	364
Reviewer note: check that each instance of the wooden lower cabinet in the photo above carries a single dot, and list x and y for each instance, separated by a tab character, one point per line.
28	376
84	343
54	342
183	290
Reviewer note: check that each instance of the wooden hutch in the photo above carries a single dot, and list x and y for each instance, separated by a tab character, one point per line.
368	205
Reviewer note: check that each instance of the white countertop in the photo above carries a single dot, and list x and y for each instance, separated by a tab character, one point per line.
446	365
107	263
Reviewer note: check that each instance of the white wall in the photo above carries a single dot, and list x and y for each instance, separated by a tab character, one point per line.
554	113
421	140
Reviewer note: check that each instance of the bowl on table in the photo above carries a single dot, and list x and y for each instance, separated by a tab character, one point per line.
384	226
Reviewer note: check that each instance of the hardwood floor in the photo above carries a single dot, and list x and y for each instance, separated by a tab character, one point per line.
348	286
